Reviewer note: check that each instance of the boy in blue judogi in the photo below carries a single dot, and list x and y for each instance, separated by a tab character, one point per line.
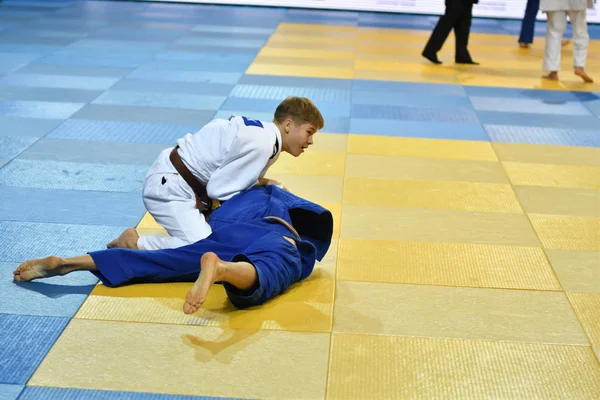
263	240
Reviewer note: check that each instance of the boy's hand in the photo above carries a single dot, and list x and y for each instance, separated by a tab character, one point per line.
265	182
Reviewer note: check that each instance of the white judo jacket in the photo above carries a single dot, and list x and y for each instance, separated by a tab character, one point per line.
228	156
565	5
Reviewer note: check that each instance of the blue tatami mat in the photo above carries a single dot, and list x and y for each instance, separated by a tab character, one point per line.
33	93
425	100
264	92
70	206
153	115
171	100
112	131
50	393
22	126
222	42
163	70
195	88
57	81
59	296
457	116
36	240
10	392
91	151
233	29
297	82
546	96
25	341
407	87
14	61
594	106
11	146
418	129
527	106
95	60
538	135
583	122
38	109
74	70
332	124
46	174
326	108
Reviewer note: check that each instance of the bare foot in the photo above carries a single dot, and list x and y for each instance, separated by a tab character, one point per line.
524	45
127	240
210	272
553	76
581	73
38	268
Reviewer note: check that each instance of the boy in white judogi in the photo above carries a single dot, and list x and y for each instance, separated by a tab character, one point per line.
557	12
222	159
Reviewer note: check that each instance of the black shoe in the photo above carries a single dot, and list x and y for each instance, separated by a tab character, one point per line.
471	62
431	57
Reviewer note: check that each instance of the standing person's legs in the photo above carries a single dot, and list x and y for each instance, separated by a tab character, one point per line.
528	23
462	29
442	30
581	40
555	29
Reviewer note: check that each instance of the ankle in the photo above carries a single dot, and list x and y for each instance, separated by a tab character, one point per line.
222	272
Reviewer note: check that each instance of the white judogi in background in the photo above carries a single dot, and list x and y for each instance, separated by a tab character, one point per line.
228	156
557	12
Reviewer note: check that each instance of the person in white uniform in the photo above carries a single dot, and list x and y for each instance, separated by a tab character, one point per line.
557	12
222	159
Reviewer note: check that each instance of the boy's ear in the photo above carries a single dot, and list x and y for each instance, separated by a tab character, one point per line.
287	125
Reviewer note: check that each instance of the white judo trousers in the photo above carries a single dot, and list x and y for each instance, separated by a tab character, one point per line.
228	156
555	29
172	203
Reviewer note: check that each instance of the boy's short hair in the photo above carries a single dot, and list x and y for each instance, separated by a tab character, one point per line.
300	110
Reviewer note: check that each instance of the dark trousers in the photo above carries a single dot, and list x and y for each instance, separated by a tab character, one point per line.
458	16
528	24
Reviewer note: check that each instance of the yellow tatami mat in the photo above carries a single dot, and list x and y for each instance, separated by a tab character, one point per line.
394	54
443	271
392	367
158	358
465	261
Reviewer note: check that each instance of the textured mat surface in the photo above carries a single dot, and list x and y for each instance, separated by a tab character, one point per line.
465	202
56	297
26	339
38	392
35	240
47	174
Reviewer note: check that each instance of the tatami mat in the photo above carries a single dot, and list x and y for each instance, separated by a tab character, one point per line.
365	367
465	260
207	353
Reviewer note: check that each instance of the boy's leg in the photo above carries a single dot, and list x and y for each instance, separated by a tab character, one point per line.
172	203
240	274
52	266
265	269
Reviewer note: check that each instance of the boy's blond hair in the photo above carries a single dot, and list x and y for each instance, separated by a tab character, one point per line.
300	110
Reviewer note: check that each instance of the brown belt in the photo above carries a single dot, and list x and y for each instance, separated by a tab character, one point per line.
203	202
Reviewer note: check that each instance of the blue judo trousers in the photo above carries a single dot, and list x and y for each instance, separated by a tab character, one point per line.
240	232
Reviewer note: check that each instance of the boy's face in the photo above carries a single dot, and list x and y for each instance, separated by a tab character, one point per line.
298	137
